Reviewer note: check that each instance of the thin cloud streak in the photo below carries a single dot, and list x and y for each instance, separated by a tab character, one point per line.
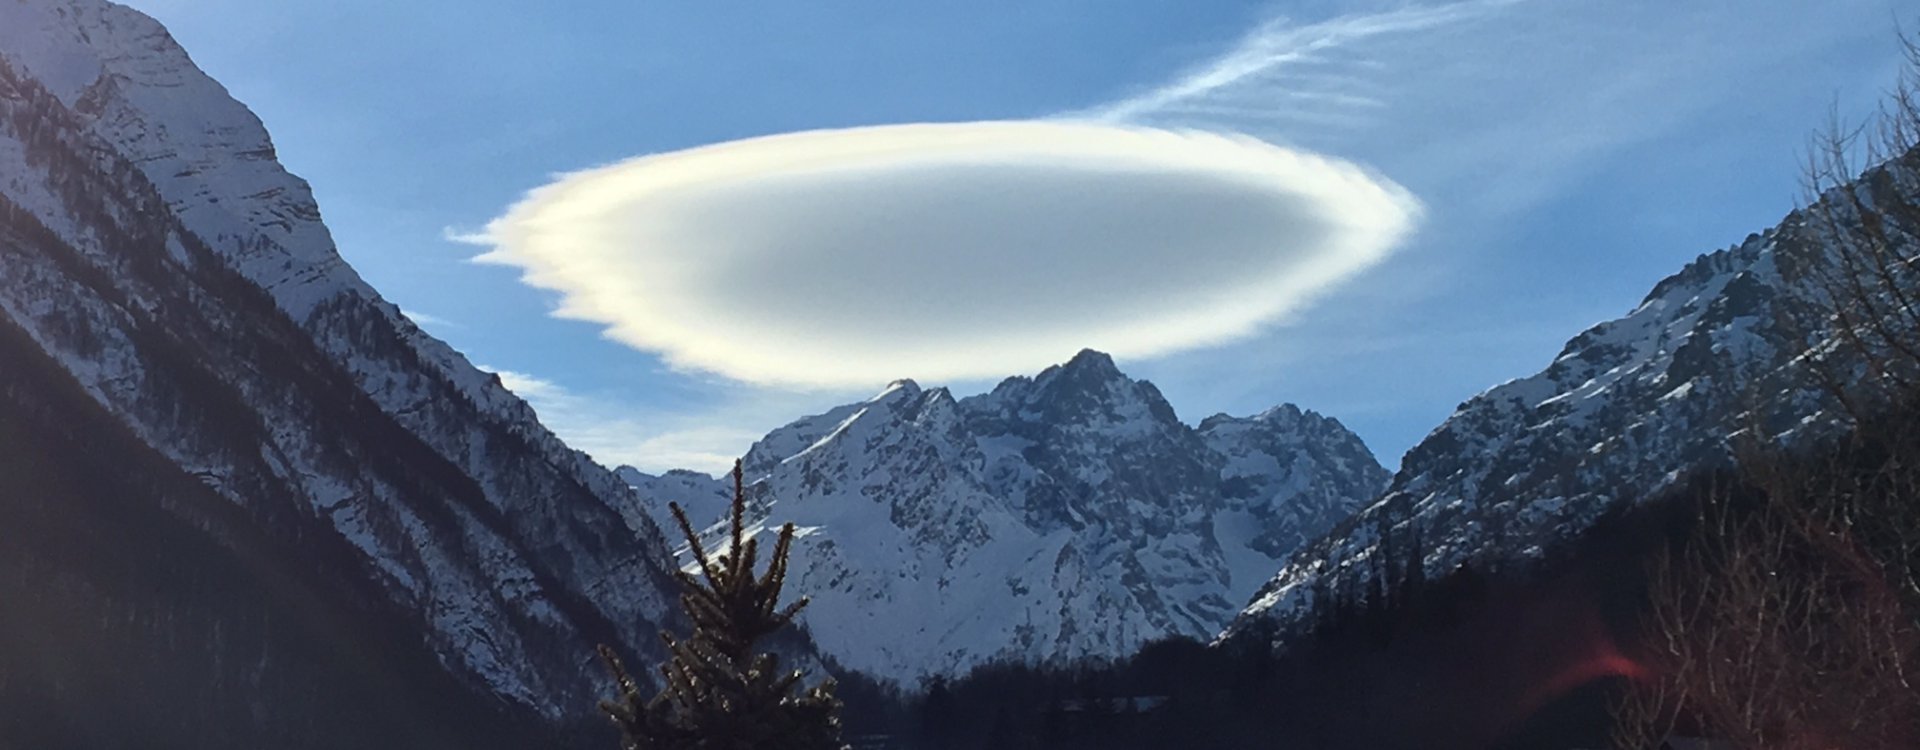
426	320
463	236
1277	47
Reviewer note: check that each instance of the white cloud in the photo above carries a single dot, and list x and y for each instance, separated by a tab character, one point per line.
462	236
615	432
535	390
428	320
947	251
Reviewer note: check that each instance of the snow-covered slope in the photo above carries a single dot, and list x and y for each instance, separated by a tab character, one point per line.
1060	516
1290	470
703	497
184	278
1715	354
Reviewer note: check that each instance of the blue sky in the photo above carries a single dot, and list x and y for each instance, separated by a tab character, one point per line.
1564	155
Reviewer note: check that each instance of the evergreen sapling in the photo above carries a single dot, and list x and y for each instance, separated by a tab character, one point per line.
718	694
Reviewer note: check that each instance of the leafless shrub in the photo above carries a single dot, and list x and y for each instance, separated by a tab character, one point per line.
1787	618
1776	625
1861	213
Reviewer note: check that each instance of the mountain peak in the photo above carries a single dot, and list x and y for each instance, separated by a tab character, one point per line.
1031	497
1089	372
1282	413
1087	388
1093	361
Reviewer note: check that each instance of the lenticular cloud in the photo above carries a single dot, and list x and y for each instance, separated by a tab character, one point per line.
946	251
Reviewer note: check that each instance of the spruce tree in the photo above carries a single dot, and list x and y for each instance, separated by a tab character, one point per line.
718	693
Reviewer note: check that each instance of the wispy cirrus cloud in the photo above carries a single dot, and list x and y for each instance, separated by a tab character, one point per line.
1501	102
1287	70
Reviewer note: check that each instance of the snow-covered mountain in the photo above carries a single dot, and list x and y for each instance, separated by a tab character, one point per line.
1716	354
1066	515
153	247
703	497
